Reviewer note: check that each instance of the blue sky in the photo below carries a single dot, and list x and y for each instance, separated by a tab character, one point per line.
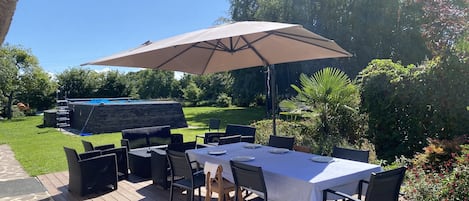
64	34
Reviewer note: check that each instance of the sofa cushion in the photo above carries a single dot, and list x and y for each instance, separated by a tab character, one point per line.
155	141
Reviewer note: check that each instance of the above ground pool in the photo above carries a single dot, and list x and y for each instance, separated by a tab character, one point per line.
114	115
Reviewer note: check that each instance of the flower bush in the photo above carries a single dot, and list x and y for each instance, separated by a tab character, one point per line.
440	173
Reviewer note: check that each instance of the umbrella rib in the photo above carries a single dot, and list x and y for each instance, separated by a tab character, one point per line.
266	63
180	53
249	45
292	37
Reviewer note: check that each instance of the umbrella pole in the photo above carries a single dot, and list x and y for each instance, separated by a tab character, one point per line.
273	97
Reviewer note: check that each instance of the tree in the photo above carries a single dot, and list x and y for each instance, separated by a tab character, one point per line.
445	22
37	89
78	83
192	93
113	84
154	83
366	28
20	75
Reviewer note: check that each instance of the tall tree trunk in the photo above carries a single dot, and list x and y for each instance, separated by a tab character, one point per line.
8	110
7	9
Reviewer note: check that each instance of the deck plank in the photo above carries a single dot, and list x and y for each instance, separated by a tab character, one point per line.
134	188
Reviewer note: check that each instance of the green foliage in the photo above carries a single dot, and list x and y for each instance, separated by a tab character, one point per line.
408	104
151	84
192	93
78	83
302	133
21	79
368	29
247	85
329	98
113	84
212	85
223	100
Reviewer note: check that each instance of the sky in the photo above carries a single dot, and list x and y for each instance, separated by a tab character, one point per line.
64	34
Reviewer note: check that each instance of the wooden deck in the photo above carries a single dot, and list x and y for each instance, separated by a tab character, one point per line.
132	189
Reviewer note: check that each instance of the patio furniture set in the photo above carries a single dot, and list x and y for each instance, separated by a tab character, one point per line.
230	162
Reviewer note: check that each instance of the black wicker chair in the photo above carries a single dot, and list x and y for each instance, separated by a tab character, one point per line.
91	172
351	154
383	186
214	124
281	142
247	177
181	167
229	139
121	156
89	146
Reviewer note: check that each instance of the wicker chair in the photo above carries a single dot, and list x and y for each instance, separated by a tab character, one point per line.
91	172
121	155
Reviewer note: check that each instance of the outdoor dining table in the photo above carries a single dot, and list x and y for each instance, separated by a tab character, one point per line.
291	175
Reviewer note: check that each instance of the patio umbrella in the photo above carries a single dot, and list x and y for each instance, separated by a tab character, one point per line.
229	47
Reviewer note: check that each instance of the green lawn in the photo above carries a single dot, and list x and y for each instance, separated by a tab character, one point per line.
40	150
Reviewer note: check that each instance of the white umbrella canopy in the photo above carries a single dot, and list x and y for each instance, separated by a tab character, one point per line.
228	47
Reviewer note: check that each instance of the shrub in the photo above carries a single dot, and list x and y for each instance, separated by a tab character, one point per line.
408	104
223	100
450	181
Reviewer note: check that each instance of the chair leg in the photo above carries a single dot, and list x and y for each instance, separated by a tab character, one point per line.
171	193
200	196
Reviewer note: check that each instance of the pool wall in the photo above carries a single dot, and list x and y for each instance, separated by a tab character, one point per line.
114	117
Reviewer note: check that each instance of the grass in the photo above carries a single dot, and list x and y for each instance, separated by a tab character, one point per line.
40	150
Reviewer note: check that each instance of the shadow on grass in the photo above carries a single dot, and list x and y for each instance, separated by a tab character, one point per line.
231	116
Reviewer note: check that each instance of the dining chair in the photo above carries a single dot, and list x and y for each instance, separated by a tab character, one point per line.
248	177
214	124
351	154
189	178
229	139
383	186
281	141
214	182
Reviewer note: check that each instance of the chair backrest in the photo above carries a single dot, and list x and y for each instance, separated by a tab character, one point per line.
281	141
234	129
248	176
182	147
385	186
214	124
179	164
72	159
229	139
351	154
87	145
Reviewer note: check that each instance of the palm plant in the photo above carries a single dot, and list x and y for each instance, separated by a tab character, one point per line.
327	97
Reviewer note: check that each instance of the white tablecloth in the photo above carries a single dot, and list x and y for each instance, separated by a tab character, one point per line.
292	176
